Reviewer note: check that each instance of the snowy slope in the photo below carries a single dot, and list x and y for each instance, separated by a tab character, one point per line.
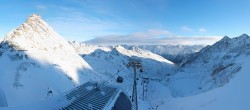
36	63
192	85
232	96
110	62
113	64
212	67
119	56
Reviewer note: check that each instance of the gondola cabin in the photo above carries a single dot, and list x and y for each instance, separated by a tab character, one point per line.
119	79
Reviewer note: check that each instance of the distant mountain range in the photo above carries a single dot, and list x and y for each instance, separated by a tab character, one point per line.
174	53
36	63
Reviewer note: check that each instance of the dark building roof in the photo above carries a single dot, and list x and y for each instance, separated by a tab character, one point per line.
90	96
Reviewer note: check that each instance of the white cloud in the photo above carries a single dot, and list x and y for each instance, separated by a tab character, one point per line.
150	37
41	7
76	25
80	27
202	30
187	29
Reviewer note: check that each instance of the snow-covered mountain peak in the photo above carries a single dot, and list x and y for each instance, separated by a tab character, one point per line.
218	63
34	18
244	36
36	23
84	49
225	38
135	51
223	43
174	53
131	49
119	47
36	34
35	60
230	45
42	43
242	40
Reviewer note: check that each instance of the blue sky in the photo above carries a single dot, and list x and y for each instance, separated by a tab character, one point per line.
177	21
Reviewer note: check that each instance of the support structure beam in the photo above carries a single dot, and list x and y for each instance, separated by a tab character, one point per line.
136	64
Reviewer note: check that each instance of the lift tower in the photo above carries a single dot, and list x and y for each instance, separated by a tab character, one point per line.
136	64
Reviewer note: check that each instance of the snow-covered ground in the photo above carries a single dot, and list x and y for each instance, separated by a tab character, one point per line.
112	63
232	96
202	81
38	64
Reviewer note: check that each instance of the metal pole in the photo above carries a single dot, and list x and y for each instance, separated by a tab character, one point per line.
143	89
135	77
136	64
